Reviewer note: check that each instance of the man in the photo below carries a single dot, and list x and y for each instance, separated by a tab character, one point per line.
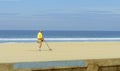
40	39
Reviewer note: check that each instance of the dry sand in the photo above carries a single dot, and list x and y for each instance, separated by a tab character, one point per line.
28	52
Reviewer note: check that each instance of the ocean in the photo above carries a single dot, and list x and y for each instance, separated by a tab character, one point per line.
58	36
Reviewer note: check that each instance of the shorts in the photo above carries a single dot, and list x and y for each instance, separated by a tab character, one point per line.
40	39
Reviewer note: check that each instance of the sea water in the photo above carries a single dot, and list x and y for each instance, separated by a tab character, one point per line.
58	36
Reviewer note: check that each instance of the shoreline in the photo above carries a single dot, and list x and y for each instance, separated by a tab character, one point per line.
60	42
87	39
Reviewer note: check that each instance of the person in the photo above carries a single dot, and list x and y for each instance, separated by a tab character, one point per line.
40	39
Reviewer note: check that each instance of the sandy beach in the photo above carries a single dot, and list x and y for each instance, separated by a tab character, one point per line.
28	52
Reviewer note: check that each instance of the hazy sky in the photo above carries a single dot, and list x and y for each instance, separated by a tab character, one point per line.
60	15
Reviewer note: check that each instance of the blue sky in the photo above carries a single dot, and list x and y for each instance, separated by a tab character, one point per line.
60	15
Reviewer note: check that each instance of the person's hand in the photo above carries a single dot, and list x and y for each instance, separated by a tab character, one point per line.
42	39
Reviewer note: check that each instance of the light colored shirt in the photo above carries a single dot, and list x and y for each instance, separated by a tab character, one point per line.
39	35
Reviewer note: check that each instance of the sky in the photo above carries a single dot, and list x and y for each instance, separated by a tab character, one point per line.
60	15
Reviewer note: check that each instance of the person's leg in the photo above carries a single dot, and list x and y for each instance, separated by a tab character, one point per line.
40	45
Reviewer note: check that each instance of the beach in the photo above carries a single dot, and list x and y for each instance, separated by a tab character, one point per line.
28	52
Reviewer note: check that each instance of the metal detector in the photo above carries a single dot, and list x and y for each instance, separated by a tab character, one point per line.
48	45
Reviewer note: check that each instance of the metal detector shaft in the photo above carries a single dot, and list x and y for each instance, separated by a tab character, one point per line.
47	45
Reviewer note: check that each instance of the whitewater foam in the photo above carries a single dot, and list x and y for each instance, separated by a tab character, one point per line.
60	39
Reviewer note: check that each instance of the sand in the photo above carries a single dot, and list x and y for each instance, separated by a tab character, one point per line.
28	52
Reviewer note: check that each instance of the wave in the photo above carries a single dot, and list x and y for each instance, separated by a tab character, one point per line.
82	39
61	39
19	39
